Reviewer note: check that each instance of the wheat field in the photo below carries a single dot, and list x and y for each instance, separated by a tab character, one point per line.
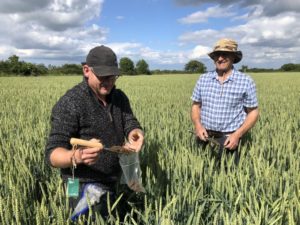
183	183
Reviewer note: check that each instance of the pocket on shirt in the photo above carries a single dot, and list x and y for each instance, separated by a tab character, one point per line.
233	99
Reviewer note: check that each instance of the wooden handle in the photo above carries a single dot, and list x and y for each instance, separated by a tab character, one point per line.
84	143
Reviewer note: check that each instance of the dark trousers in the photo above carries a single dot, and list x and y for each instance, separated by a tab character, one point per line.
216	146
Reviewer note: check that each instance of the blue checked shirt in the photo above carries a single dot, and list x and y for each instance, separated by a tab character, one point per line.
222	105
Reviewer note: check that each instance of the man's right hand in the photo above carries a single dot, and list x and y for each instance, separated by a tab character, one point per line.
201	133
87	156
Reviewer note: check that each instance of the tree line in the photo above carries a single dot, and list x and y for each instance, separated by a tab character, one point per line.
13	66
290	67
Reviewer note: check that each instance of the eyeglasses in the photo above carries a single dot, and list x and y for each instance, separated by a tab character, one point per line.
110	78
223	54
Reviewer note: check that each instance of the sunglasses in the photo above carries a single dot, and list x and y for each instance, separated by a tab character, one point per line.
110	78
223	54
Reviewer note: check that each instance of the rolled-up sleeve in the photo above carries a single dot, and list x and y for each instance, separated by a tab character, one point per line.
250	100
129	120
64	125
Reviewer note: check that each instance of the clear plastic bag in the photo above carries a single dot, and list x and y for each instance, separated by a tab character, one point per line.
132	174
91	195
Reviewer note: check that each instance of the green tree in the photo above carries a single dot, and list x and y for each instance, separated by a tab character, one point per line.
244	68
4	68
71	69
290	67
127	66
194	66
142	67
41	69
14	64
28	69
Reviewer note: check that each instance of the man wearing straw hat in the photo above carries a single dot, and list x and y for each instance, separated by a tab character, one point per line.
224	104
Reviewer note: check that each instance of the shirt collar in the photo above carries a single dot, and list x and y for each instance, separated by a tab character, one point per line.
231	77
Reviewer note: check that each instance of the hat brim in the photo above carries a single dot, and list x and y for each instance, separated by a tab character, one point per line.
103	71
238	55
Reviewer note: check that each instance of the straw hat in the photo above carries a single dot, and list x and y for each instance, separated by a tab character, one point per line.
227	45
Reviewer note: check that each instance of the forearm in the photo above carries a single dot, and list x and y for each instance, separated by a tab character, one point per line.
130	123
62	158
249	122
136	130
196	115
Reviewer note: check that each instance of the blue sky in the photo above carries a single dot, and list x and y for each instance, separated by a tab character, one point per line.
165	33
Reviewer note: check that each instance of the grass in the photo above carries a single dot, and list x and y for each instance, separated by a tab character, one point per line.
182	182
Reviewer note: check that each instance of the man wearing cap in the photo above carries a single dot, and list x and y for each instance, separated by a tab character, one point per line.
93	109
224	104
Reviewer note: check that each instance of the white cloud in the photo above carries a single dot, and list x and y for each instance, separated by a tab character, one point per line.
136	51
203	16
21	6
276	7
278	31
270	7
61	15
200	52
125	48
201	2
202	37
268	41
56	28
63	31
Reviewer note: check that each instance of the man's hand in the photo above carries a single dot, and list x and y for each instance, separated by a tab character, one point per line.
88	156
135	140
232	141
200	130
201	133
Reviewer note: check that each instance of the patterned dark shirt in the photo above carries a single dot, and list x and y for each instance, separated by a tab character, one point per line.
79	114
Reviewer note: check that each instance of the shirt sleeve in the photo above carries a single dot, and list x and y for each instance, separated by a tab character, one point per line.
129	120
64	125
196	96
250	100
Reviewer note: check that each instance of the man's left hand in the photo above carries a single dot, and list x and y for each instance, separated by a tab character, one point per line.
135	140
232	141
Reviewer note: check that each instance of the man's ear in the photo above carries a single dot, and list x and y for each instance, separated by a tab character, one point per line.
85	70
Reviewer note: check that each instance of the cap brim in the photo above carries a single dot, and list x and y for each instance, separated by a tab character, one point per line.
106	70
238	55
